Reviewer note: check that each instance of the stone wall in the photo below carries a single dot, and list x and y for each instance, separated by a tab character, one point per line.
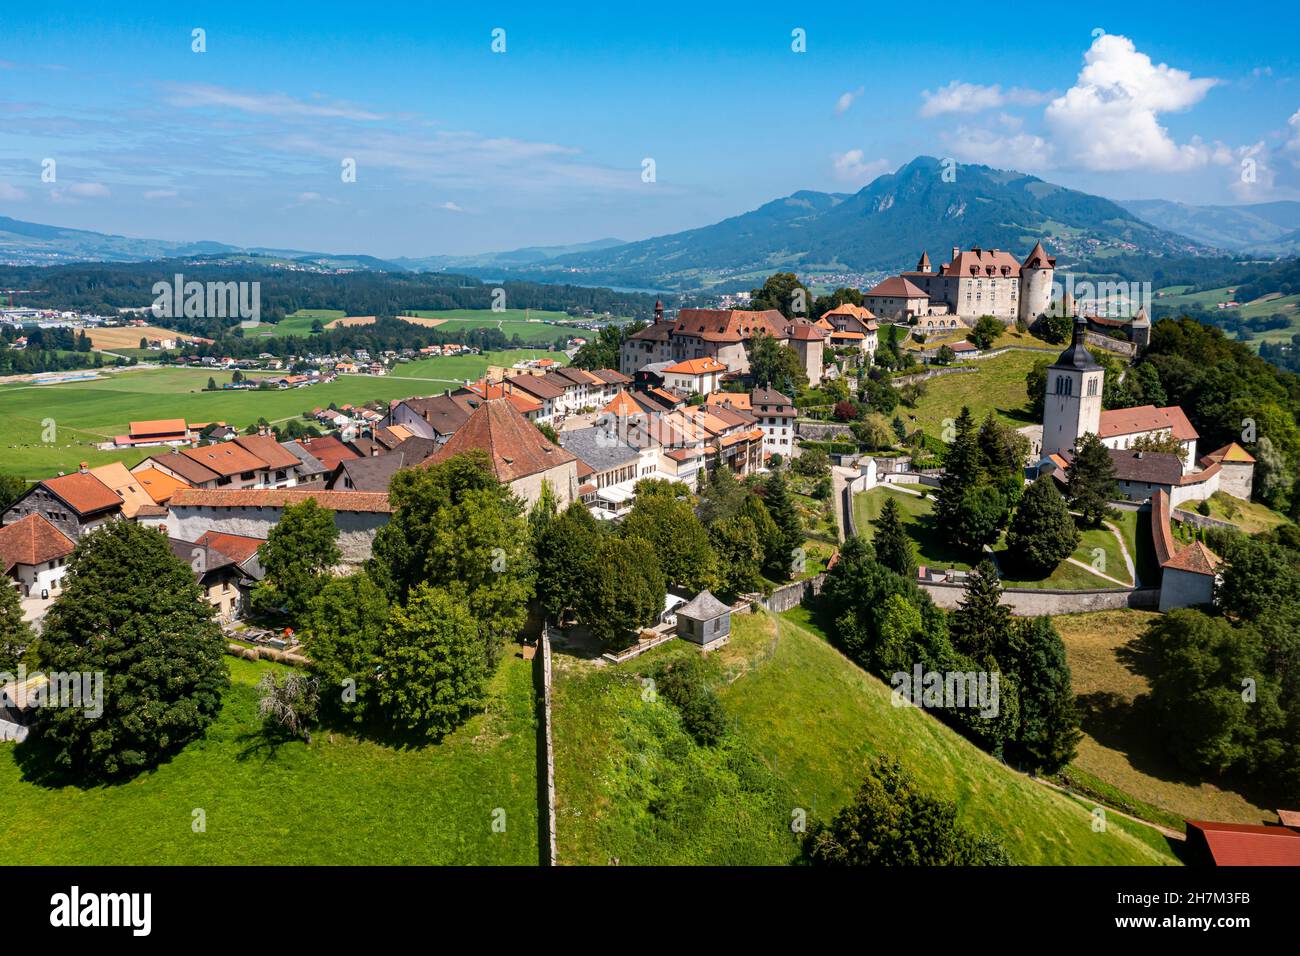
1031	602
823	431
357	529
790	595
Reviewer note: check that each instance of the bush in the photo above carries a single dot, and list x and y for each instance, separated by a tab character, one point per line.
684	683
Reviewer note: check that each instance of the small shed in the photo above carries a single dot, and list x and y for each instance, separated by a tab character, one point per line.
705	621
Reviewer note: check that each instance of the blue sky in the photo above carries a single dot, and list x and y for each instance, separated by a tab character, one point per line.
459	149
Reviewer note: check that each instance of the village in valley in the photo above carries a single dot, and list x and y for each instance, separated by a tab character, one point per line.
555	453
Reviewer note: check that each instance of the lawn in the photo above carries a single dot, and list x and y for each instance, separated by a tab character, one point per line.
86	413
298	323
819	720
338	801
998	387
917	513
1120	749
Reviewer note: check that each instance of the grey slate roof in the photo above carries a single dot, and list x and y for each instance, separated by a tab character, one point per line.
703	607
311	465
599	448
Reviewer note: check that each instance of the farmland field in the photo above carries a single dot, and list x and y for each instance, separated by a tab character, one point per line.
338	800
86	413
115	340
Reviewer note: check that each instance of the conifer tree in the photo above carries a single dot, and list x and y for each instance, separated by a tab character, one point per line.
1090	479
893	546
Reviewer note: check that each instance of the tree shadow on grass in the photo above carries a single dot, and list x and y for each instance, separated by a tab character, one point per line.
1129	727
36	760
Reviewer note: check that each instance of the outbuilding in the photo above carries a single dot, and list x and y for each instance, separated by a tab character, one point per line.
705	621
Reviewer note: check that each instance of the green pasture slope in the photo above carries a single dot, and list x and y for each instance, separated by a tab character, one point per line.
338	800
632	786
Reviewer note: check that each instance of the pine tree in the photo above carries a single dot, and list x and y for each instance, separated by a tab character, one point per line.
1048	730
1042	533
981	626
789	525
1090	479
961	468
133	612
893	546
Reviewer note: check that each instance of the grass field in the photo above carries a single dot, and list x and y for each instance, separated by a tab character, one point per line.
917	513
531	325
806	723
998	387
822	750
86	413
339	800
1120	748
1250	516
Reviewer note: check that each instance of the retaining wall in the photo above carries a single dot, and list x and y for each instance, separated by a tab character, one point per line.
1032	602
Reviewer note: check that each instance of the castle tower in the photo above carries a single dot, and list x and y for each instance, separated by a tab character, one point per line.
1139	329
659	311
1072	406
924	264
1036	275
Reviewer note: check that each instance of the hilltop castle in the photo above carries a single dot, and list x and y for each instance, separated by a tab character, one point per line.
973	283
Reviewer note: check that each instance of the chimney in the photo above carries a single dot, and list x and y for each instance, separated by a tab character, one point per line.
956	251
84	467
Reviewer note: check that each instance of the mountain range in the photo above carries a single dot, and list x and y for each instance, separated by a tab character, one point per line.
924	205
882	227
1266	228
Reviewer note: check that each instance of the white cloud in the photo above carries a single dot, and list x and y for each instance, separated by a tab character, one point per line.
851	167
1293	144
11	193
451	207
958	97
78	191
264	104
1109	120
1018	150
161	194
846	100
309	197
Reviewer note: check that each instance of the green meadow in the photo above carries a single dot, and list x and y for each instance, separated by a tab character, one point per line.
338	800
87	413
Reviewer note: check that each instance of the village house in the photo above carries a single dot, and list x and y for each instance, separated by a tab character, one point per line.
218	576
694	376
775	415
34	555
520	455
75	503
609	467
165	431
253	512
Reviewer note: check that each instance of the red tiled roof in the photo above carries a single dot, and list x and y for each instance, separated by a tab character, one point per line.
159	427
698	366
729	325
31	541
268	449
1231	453
329	451
897	287
1146	418
1196	558
1243	844
237	547
84	493
514	446
158	485
361	501
225	459
189	469
981	261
